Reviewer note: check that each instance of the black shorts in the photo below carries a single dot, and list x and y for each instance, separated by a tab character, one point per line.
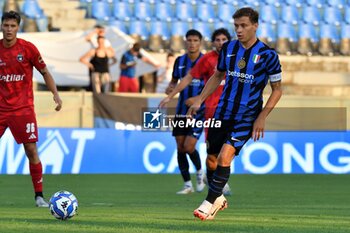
233	132
178	130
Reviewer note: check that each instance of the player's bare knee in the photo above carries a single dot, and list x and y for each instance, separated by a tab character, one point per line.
189	148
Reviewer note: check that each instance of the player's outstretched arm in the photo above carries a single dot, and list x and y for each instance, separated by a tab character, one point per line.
178	88
208	89
51	85
259	124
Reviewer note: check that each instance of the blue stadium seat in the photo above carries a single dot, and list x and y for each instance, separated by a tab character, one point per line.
160	28
332	15
121	25
345	31
289	13
287	38
269	14
345	39
159	36
178	31
204	28
276	3
347	14
251	3
329	39
267	33
286	30
297	3
143	11
205	12
184	11
225	12
235	3
316	3
100	10
330	32
122	11
309	31
336	3
311	14
227	25
163	11
308	39
31	9
138	30
179	28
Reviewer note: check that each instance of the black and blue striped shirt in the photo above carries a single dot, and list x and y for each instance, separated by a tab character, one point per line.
181	67
247	73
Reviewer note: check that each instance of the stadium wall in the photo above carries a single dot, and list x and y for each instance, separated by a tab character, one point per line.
292	112
83	151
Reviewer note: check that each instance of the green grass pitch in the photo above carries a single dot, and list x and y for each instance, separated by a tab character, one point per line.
148	203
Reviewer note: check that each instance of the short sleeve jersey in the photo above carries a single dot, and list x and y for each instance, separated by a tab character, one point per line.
247	73
204	69
181	67
16	76
128	57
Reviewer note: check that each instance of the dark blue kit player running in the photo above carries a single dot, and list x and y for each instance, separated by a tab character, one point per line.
185	135
249	64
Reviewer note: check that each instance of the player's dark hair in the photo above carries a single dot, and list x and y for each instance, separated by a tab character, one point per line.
98	26
170	54
100	37
136	47
194	32
220	31
252	14
11	15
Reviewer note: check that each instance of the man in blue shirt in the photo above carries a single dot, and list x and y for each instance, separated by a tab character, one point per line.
128	82
249	64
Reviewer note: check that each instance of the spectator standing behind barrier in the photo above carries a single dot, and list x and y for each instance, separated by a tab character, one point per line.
164	75
97	61
92	39
128	82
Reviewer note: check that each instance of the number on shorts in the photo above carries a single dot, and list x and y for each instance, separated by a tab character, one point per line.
30	128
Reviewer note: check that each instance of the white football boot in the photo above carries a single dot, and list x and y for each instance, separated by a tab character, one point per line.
200	181
207	211
187	189
40	202
203	211
219	204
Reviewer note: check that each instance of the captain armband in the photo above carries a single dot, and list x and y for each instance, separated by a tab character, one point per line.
275	77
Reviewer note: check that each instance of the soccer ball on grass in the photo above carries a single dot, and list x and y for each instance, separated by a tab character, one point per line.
63	205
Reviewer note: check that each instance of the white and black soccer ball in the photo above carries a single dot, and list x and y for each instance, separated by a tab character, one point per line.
63	205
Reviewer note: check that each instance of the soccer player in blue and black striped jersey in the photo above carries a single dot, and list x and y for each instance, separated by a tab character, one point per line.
249	64
187	137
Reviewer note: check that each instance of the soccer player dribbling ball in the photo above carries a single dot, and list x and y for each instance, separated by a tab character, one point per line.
204	69
248	64
17	59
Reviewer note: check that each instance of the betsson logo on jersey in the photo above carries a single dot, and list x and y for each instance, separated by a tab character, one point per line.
242	77
12	77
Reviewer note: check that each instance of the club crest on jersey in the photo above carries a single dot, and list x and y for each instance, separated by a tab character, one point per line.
241	63
20	57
